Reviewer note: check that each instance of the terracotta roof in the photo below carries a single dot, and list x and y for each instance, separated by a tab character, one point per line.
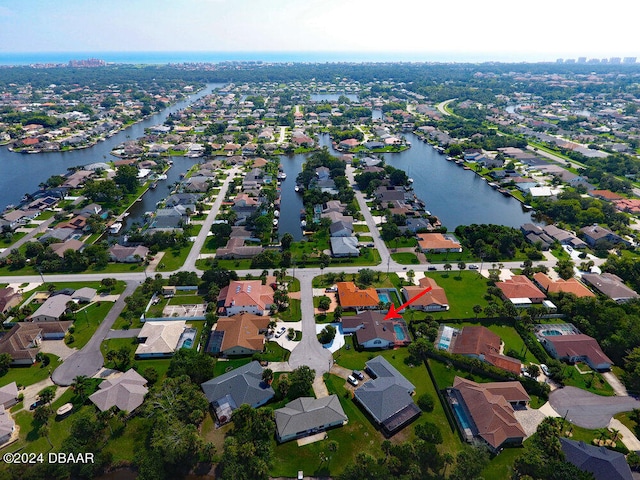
476	340
436	241
247	292
352	296
519	286
490	409
243	331
605	194
435	296
568	286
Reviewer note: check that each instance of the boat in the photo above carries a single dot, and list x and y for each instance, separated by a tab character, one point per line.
297	188
276	213
282	176
527	207
449	159
162	177
153	186
115	228
275	222
303	223
64	409
410	180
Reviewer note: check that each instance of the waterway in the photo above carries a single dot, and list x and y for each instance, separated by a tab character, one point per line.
290	200
456	196
332	97
21	173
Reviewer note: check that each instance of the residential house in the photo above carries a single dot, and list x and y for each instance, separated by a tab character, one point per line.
9	298
9	395
388	397
434	300
520	291
70	244
307	416
159	339
52	309
489	411
125	392
245	296
373	331
84	294
236	248
481	343
242	385
611	286
438	243
344	247
60	234
120	253
577	348
341	228
567	286
22	342
352	297
7	425
242	334
595	233
601	462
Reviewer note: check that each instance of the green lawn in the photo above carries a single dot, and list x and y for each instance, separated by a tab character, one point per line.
360	229
30	375
507	333
274	353
174	258
405	258
87	321
402	242
224	366
293	313
463	289
186	300
592	382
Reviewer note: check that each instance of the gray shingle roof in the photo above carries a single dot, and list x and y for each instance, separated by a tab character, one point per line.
603	463
125	392
243	385
307	413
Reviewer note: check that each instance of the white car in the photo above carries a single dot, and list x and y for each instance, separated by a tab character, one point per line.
473	267
352	380
544	369
280	332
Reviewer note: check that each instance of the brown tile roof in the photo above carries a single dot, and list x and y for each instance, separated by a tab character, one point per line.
242	331
436	241
568	286
509	364
579	345
19	341
605	194
490	410
374	326
476	340
520	286
351	296
436	295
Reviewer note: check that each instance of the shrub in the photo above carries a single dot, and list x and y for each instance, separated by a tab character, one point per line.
426	402
327	334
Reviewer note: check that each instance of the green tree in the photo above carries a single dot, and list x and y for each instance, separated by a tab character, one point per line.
80	386
286	240
5	361
300	381
324	303
127	178
327	334
197	366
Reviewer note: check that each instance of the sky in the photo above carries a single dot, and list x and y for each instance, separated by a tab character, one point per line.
526	30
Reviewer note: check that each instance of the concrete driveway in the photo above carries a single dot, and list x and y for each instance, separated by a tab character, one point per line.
589	410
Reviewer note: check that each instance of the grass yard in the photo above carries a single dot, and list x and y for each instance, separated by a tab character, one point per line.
463	289
360	228
224	366
592	382
186	300
405	258
508	334
174	258
501	466
30	375
87	321
402	242
293	313
274	353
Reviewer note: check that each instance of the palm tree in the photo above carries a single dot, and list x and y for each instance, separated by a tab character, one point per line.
477	309
80	385
267	376
447	267
461	266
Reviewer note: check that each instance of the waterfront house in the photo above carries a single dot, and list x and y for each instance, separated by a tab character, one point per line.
438	243
306	416
567	286
520	291
120	253
341	228
344	247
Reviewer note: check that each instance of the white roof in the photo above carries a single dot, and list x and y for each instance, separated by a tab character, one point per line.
161	337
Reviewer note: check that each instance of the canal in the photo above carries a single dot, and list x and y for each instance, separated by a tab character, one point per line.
21	173
456	196
290	200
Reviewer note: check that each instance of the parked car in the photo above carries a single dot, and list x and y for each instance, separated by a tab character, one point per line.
331	289
36	404
357	374
352	380
431	267
370	245
544	369
473	267
280	332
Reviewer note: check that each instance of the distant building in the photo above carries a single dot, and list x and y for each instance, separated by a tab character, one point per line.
52	309
122	254
520	291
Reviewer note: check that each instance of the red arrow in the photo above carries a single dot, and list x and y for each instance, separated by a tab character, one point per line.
393	312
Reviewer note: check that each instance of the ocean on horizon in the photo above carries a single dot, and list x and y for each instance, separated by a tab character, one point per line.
162	58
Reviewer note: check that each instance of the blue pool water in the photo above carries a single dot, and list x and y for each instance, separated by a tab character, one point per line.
551	333
187	343
399	332
443	346
384	297
462	417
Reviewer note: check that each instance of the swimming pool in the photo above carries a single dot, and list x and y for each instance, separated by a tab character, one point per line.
461	416
187	343
384	297
551	333
399	332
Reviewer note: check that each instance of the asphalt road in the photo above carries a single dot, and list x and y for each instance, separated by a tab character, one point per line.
587	409
89	360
